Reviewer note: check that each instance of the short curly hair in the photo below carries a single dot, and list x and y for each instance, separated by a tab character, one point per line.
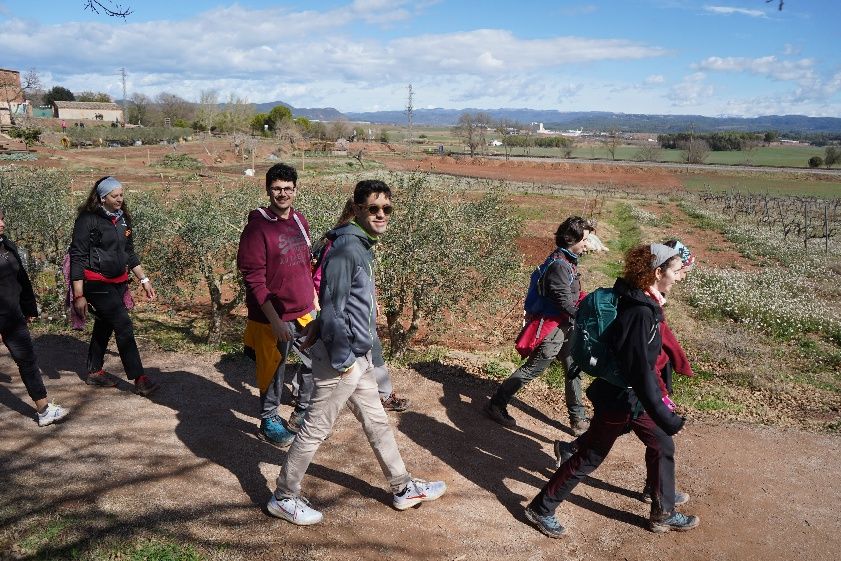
638	271
571	231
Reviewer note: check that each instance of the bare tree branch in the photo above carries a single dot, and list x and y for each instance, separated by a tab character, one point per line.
780	3
111	9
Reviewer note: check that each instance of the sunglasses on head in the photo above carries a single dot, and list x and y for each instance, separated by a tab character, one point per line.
373	210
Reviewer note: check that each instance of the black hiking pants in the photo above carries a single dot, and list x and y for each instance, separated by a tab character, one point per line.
111	317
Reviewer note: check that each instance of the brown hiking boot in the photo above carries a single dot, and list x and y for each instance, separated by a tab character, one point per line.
101	379
394	403
500	414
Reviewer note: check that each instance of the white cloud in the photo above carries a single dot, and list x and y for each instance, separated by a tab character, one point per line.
691	91
791	50
259	53
654	80
728	10
785	70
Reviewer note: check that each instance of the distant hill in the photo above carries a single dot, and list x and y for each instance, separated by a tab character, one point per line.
587	120
602	120
314	114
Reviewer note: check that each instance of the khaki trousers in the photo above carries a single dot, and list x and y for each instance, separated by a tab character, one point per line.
357	388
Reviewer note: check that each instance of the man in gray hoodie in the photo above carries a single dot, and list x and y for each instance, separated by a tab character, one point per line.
342	365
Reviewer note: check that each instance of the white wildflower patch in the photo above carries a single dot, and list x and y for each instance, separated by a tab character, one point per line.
776	300
642	216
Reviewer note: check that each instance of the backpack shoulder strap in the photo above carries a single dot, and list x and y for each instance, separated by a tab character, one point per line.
301	227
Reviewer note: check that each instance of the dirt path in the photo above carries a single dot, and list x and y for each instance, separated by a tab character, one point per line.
186	466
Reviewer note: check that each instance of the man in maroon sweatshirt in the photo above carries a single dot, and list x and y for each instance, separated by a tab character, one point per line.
274	259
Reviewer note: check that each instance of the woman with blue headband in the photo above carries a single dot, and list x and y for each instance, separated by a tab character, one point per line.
101	256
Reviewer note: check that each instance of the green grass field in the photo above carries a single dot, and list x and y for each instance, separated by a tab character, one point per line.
759	184
768	156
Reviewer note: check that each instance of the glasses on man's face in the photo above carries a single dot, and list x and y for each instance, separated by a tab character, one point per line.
284	190
374	210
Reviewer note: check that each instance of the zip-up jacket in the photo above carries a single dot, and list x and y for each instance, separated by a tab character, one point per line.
17	299
274	259
561	284
101	245
634	336
348	302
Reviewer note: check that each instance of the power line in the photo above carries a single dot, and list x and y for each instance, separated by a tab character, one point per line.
410	113
123	76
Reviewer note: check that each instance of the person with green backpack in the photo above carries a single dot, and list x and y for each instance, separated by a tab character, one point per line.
550	306
628	398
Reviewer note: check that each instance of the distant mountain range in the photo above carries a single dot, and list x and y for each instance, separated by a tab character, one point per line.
587	120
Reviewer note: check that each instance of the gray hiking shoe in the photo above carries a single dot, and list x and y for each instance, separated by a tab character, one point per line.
564	451
681	498
579	426
548	524
675	522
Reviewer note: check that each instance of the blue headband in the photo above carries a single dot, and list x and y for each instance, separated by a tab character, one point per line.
106	186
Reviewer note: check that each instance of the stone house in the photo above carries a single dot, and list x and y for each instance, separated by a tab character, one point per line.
88	110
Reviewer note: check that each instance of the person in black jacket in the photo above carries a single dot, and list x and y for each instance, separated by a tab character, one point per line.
101	254
634	336
17	303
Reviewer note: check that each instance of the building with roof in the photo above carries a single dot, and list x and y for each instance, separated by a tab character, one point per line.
12	100
93	110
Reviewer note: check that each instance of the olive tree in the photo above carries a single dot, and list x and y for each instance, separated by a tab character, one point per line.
39	213
190	242
444	251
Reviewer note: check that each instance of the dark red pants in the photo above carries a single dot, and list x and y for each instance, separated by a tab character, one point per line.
593	448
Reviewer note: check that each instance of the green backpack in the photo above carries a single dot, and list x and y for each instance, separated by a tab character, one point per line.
595	313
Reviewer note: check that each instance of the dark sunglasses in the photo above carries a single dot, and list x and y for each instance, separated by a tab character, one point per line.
373	210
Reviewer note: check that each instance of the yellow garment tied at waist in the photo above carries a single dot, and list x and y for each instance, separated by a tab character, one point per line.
260	337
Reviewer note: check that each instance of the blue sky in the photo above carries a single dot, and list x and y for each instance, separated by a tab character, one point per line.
722	57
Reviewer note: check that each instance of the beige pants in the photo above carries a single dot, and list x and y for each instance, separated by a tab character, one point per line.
357	388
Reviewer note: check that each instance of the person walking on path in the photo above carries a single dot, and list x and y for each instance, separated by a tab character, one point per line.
672	359
551	304
391	401
101	256
343	368
634	337
17	305
274	259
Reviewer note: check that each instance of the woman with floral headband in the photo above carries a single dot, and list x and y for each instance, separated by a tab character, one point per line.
634	337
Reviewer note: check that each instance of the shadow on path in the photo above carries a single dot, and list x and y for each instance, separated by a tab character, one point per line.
486	453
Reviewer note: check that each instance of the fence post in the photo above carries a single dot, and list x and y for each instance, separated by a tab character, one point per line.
826	227
805	225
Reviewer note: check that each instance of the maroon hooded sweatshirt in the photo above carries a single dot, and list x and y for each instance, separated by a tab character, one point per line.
274	259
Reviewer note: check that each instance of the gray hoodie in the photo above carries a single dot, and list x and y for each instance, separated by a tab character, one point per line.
348	305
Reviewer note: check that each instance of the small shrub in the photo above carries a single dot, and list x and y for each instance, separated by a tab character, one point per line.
179	161
29	135
495	370
815	162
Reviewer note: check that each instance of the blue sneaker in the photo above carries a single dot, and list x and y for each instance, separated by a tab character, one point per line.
273	431
548	524
676	521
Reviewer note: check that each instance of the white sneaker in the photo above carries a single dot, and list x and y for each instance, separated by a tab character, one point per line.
52	414
418	491
296	510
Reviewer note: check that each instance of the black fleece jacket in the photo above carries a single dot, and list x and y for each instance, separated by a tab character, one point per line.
101	245
635	339
18	299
